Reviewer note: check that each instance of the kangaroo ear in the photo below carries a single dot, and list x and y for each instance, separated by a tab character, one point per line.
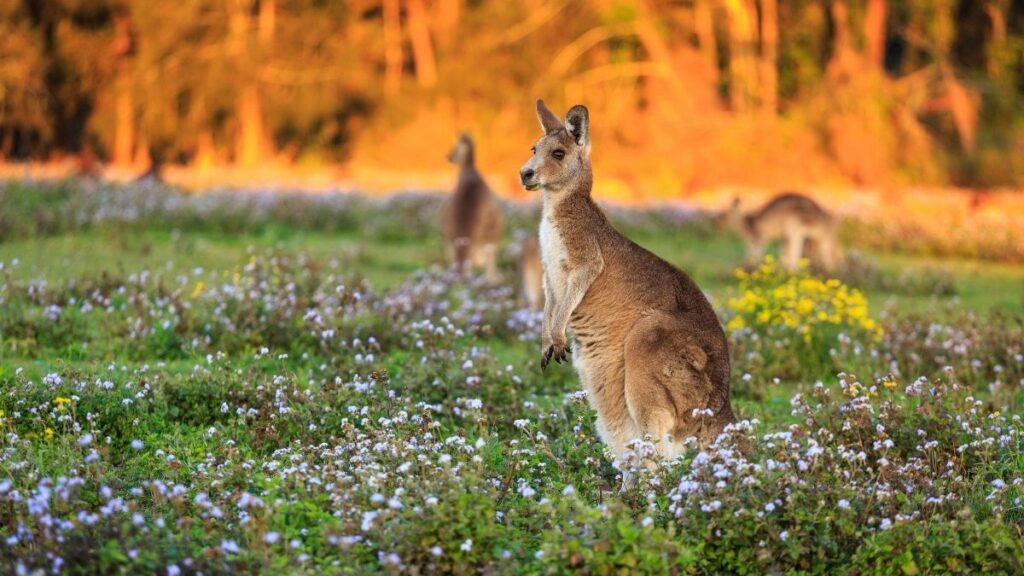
577	123
696	356
548	121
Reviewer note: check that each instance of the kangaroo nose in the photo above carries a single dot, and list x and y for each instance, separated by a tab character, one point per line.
525	175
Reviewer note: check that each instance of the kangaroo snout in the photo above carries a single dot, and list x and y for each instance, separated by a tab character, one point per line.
526	176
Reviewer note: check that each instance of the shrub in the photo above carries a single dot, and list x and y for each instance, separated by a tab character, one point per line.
791	321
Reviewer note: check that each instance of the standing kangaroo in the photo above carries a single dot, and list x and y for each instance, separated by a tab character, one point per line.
471	220
649	350
796	220
532	272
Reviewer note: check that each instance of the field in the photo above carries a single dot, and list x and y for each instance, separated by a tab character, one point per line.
252	382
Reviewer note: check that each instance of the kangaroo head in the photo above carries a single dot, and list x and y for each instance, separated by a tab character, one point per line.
462	152
731	217
561	158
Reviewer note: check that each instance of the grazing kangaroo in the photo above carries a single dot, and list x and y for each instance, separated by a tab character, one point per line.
799	222
649	349
532	273
471	220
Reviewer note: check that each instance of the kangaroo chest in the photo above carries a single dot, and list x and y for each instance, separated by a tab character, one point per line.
553	254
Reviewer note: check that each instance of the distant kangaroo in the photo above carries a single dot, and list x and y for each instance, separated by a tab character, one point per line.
471	220
649	350
796	220
532	272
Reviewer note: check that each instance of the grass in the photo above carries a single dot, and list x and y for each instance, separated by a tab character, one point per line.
709	260
290	397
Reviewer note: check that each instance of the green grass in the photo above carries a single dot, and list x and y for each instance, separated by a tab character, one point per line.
415	417
709	260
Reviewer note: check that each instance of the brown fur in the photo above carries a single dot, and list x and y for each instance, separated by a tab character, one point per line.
801	224
532	273
471	220
649	349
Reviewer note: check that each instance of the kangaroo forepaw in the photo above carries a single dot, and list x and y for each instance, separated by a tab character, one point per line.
556	352
545	357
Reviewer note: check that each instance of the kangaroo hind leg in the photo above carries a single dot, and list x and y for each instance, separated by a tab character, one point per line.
666	387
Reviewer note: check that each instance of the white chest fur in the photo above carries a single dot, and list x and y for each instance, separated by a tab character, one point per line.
552	252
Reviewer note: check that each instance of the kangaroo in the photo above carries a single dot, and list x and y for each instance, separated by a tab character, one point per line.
799	222
649	350
532	272
471	220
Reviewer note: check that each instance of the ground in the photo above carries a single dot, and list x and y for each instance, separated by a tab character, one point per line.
201	385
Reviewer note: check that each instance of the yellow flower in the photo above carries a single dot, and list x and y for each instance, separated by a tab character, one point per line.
49	432
735	324
805	306
200	286
770	296
61	400
889	383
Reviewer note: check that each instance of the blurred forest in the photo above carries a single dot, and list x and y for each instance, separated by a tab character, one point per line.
684	94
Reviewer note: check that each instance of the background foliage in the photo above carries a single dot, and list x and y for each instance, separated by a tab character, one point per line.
861	91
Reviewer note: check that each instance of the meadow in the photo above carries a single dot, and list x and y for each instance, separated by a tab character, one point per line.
256	382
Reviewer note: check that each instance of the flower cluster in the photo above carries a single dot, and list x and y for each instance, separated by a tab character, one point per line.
770	298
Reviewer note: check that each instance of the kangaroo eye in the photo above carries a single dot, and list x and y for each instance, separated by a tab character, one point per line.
533	150
558	154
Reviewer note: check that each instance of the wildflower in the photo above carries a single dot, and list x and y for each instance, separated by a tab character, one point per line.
271	538
712	506
467	545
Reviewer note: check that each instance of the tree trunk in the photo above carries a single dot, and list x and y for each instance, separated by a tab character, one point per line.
656	47
7	144
769	75
205	151
392	47
704	23
446	21
124	127
267	21
143	159
124	105
250	146
742	67
422	47
874	33
994	11
844	62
